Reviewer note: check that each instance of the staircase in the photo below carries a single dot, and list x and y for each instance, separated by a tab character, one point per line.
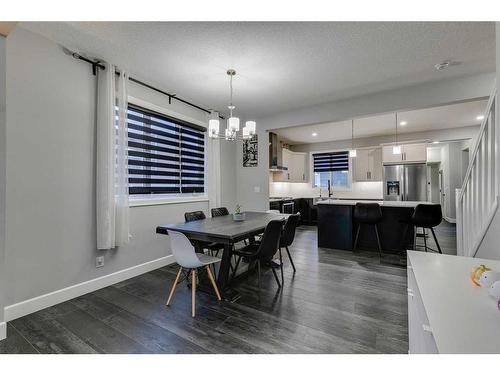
477	200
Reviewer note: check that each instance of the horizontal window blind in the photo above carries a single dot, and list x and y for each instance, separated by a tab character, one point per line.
165	155
331	161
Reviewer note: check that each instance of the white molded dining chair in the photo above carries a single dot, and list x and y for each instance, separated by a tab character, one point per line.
187	258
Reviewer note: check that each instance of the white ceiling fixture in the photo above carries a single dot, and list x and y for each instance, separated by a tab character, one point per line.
403	123
314	134
319	62
396	149
233	122
481	117
446	64
352	151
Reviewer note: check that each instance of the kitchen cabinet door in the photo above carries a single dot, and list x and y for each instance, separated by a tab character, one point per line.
361	165
415	153
389	157
299	167
375	164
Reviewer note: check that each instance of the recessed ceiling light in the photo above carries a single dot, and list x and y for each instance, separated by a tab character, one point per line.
314	134
403	123
446	64
480	118
435	142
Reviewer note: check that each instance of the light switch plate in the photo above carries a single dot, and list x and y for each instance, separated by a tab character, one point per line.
99	262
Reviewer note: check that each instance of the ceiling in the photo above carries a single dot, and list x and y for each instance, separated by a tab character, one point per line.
443	117
280	65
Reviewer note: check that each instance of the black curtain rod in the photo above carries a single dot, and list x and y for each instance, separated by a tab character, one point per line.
97	65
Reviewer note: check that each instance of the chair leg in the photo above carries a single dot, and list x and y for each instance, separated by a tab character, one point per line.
378	241
425	239
436	241
281	267
415	237
291	260
235	268
212	280
193	293
356	240
258	274
276	277
172	290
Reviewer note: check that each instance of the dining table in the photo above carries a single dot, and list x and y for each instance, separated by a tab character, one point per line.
226	231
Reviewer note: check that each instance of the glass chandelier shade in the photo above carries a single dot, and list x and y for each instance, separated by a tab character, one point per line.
233	124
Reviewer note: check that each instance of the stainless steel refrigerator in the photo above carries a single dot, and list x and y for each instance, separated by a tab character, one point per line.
405	182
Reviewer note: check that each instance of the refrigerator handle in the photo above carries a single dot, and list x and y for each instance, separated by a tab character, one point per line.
406	183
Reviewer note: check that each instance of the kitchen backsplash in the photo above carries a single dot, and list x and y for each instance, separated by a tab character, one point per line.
358	190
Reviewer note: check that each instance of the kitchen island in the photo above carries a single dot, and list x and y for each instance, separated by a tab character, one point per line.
337	229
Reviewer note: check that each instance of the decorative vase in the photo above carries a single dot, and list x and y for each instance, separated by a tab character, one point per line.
239	217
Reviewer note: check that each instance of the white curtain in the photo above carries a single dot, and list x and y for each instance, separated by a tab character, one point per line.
112	205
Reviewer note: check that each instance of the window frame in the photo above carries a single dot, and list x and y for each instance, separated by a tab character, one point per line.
349	171
159	199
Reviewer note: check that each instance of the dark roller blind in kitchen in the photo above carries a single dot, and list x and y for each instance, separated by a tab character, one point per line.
331	161
165	155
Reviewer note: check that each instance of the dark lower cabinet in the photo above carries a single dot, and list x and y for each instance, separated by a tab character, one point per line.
337	229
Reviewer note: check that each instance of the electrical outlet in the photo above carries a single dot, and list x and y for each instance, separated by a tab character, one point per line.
99	262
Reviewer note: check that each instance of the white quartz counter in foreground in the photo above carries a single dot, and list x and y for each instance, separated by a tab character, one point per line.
345	202
462	318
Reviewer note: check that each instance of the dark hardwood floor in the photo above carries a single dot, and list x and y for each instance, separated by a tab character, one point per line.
337	302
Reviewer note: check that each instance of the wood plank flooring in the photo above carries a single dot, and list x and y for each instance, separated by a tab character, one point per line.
337	302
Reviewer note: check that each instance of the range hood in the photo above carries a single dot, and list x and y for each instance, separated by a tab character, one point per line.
275	154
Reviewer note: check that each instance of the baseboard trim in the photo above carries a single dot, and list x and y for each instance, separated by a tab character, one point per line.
50	299
3	330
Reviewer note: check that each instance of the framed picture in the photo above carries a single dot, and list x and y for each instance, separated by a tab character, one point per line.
250	152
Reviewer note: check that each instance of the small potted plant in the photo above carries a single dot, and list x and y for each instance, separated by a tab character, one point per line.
238	215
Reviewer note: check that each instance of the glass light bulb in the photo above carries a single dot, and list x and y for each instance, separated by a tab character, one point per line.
251	126
213	128
234	124
396	150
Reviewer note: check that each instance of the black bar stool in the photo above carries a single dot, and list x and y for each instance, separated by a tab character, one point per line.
426	216
371	214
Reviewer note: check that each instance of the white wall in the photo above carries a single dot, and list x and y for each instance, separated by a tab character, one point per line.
2	185
489	248
251	180
51	228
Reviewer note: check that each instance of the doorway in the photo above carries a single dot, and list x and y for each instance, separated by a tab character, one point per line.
434	182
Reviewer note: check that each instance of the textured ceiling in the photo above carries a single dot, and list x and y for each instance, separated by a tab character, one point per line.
443	117
281	66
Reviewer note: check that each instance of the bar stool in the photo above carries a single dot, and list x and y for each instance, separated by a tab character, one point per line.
370	214
425	216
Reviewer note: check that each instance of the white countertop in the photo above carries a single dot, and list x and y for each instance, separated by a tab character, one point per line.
463	318
345	202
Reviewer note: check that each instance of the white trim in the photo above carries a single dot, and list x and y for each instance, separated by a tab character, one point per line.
50	299
138	202
3	330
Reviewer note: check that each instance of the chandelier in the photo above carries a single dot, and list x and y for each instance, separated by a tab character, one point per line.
233	123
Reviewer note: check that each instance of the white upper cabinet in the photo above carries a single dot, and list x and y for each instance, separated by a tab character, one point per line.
368	164
410	153
297	167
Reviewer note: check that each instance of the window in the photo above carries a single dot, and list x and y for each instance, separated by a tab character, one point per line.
165	155
333	167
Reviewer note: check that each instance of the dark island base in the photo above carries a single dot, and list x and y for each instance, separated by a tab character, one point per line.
337	229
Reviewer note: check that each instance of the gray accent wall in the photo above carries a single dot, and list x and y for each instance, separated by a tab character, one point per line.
51	227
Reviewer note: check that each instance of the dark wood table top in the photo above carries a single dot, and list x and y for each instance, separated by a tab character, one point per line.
223	229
